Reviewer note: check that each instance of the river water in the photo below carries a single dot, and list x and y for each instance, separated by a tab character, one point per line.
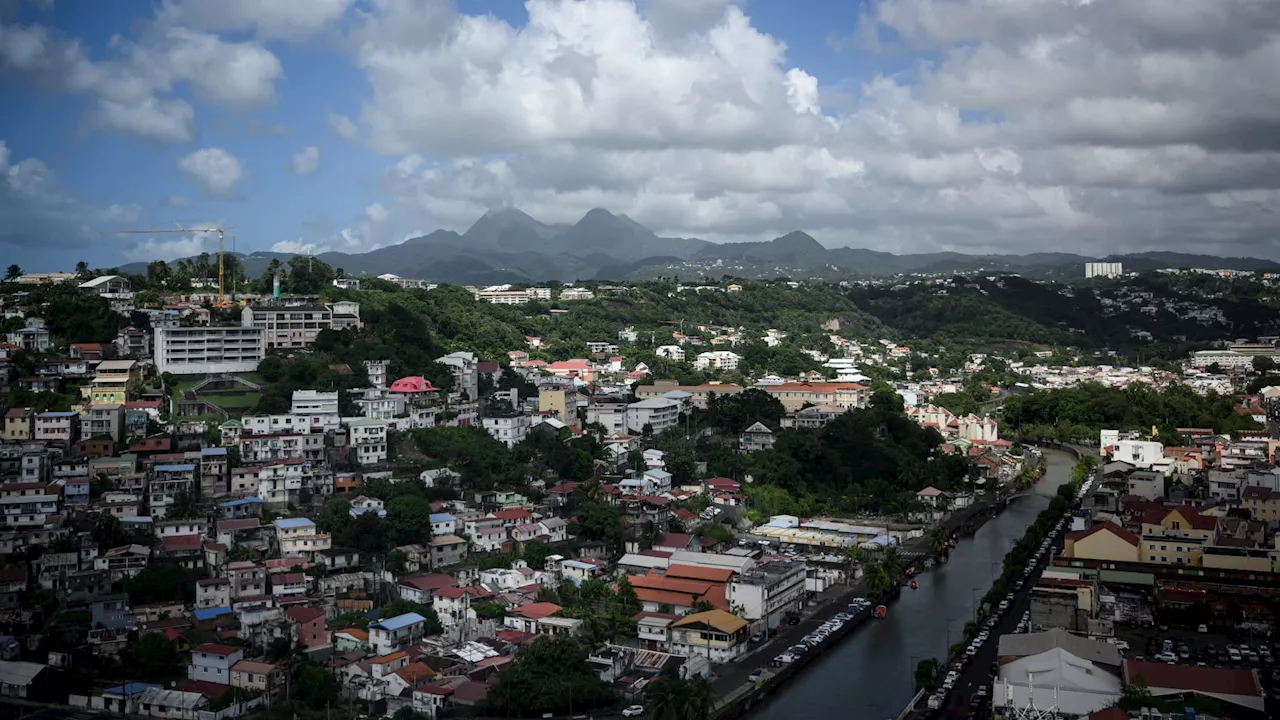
870	675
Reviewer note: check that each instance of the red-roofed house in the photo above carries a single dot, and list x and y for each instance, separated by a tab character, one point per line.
413	385
512	517
525	618
672	542
1231	686
420	589
308	626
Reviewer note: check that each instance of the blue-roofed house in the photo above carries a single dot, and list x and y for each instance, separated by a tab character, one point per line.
206	614
167	481
240	508
361	505
396	633
123	699
298	536
443	524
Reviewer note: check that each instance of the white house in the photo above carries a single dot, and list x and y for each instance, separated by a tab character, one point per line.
658	413
391	634
717	360
211	662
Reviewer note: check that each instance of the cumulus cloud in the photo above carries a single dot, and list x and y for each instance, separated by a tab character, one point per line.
342	125
285	19
306	160
215	170
40	215
130	88
1095	127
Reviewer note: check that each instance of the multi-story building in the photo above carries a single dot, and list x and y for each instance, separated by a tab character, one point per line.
717	635
112	381
346	315
368	440
376	371
509	427
281	446
212	663
29	505
208	350
657	414
612	416
538	293
62	428
288	326
103	420
281	482
298	536
1103	269
167	482
768	592
248	580
447	550
699	395
717	360
124	561
320	407
487	534
107	285
573	293
19	424
466	376
504	297
795	396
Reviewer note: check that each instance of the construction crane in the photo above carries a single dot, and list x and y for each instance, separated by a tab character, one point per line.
222	298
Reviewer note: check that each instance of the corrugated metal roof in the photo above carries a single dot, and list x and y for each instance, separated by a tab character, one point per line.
400	621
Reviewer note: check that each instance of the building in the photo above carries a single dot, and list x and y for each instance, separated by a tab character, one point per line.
509	427
257	676
1103	269
62	428
308	626
368	440
208	350
112	381
756	437
504	297
447	550
298	536
107	285
1225	359
1054	678
795	395
391	634
103	420
717	360
1103	541
211	662
670	352
573	293
718	635
1231	687
657	414
19	425
288	326
768	592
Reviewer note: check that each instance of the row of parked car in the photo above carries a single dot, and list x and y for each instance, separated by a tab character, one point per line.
822	632
939	697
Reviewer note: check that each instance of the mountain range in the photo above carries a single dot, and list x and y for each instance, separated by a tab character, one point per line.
509	246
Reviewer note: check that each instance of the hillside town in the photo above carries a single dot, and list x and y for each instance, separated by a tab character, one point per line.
173	550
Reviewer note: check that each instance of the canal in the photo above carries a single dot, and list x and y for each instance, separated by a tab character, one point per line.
870	675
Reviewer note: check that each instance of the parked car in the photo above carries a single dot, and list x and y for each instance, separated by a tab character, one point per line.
1202	628
633	711
1233	654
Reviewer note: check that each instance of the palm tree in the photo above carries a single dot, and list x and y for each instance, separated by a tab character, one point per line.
879	580
13	273
82	269
853	557
671	698
939	536
891	560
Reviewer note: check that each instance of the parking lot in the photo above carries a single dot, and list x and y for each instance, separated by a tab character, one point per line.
1211	649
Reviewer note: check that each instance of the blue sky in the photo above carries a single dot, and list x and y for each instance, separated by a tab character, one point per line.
724	119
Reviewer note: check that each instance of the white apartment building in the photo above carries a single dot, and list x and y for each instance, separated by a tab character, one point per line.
208	350
288	326
28	511
1225	359
572	293
1103	269
768	592
167	481
212	663
538	293
658	413
298	445
504	297
717	360
670	352
321	408
391	634
298	536
57	427
1139	453
280	482
378	404
376	370
287	424
368	440
466	378
509	429
613	416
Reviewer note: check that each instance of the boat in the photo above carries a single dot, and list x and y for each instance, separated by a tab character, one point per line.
880	612
914	585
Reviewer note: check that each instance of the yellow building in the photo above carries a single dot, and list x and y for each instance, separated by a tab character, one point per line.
1239	558
717	635
1262	504
556	403
1103	541
795	395
111	383
701	393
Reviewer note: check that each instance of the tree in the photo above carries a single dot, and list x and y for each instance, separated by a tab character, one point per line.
153	657
396	561
672	698
548	675
13	272
183	506
535	554
82	269
1263	364
409	520
926	672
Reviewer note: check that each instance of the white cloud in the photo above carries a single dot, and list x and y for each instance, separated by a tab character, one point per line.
217	171
170	247
130	88
286	19
1095	127
342	125
41	216
297	247
306	160
175	201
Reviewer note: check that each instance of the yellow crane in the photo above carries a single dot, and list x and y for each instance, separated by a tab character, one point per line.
222	298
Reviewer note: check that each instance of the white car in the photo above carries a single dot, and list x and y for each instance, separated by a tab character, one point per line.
633	711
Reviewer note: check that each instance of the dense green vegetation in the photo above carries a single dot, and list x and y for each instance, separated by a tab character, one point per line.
1077	414
548	675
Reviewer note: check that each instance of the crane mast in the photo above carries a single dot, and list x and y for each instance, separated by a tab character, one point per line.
222	297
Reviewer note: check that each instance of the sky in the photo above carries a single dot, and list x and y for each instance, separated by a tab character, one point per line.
1014	126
